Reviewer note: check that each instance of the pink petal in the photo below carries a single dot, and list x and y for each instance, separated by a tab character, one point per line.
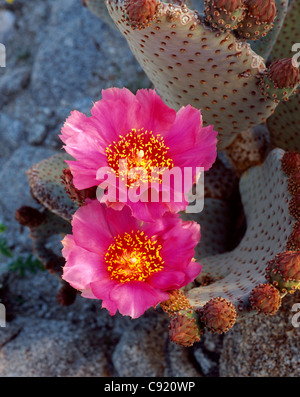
183	133
191	272
202	154
120	222
102	290
68	244
73	125
184	239
166	280
90	227
157	116
82	268
134	298
148	212
83	176
87	293
117	114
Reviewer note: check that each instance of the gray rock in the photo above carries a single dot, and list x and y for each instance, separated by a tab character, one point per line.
51	348
15	191
37	134
179	362
207	353
77	58
13	82
262	346
140	351
11	132
7	22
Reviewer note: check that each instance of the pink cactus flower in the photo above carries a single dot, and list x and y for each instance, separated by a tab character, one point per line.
141	130
128	264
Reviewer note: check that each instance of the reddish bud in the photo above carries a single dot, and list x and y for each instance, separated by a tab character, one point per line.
66	295
290	162
262	10
284	73
219	315
184	329
78	196
140	12
29	216
265	299
177	301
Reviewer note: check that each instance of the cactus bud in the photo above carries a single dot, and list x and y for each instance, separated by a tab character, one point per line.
294	206
224	14
184	328
66	295
29	216
219	315
78	196
265	299
293	243
259	19
284	271
177	301
294	182
141	12
290	162
54	263
281	79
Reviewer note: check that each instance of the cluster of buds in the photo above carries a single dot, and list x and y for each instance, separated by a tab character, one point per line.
250	19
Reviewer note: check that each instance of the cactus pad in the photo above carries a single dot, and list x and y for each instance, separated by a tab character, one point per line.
284	124
265	200
46	186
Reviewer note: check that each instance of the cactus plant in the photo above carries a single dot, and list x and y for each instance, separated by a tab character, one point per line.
224	60
190	62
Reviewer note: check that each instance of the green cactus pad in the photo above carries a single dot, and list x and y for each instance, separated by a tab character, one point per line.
265	198
46	186
284	124
190	63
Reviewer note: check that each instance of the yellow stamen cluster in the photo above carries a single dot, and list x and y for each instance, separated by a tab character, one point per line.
133	257
140	149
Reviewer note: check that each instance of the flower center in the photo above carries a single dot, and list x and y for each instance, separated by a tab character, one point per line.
133	257
140	149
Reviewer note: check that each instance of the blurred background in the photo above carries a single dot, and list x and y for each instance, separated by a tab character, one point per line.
58	58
